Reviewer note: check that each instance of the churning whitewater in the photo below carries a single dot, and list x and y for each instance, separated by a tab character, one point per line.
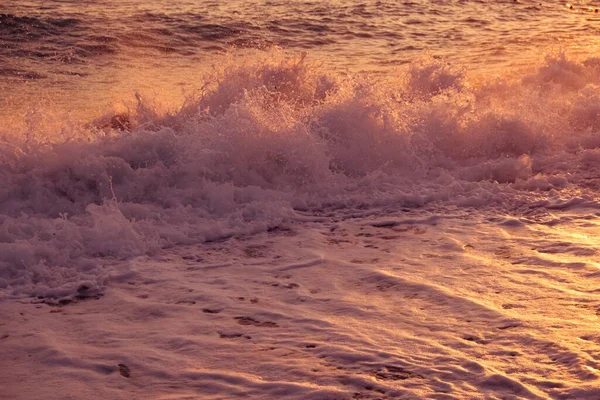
273	139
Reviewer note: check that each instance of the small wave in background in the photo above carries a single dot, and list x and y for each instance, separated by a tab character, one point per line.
67	54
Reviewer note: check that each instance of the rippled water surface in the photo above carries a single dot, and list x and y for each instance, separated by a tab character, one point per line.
95	52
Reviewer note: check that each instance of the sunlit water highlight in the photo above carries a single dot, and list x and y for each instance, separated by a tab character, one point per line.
94	54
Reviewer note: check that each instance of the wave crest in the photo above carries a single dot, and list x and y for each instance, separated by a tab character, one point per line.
268	135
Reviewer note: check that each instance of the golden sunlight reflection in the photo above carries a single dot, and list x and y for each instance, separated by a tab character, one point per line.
299	200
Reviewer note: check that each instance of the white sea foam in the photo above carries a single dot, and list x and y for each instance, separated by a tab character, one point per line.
270	136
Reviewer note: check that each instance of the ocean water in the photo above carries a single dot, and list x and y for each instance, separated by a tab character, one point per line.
405	186
470	103
96	53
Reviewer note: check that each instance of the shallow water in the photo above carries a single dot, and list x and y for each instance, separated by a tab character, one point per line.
443	303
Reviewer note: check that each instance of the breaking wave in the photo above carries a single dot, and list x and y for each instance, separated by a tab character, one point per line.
272	139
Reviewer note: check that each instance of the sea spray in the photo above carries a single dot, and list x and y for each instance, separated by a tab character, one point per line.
270	136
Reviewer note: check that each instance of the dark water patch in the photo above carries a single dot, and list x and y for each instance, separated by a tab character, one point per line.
390	34
51	40
13	27
103	39
213	31
306	26
71	73
20	74
95	49
176	43
150	17
165	49
276	27
363	11
214	47
162	31
64	23
475	21
67	58
27	53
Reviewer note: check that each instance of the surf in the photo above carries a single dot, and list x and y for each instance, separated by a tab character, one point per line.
270	138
